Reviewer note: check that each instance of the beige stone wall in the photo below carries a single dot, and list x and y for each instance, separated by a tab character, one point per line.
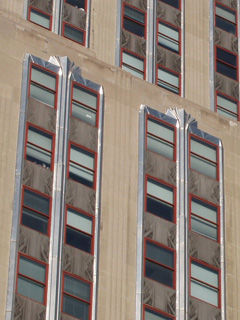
123	96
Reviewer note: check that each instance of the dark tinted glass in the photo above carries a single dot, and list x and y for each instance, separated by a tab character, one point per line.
225	25
73	34
174	3
78	239
227	57
160	208
160	254
36	201
75	307
159	273
34	220
77	3
227	70
134	27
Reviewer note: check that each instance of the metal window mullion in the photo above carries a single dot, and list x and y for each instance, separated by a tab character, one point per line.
57	10
182	48
118	33
151	41
211	55
238	32
88	21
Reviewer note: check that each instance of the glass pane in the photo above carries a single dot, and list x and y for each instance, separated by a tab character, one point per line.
225	13
78	240
77	3
32	269
30	289
159	273
82	157
160	190
204	274
204	210
134	27
34	220
168	77
168	36
36	201
204	227
40	18
77	288
227	70
174	3
227	57
134	14
153	315
168	43
204	292
161	147
160	130
160	208
38	156
160	254
39	93
225	113
43	78
81	175
79	221
75	307
73	34
134	72
133	61
204	166
40	138
84	113
204	150
227	103
84	96
225	25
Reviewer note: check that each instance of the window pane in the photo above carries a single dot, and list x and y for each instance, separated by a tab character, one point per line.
132	60
36	201
159	273
34	220
134	14
204	292
159	254
160	191
134	72
43	78
168	80
82	175
78	239
84	96
160	208
225	13
168	37
73	34
38	156
153	315
30	289
204	150
75	307
204	210
84	113
204	227
227	103
39	93
174	3
40	18
204	274
225	25
159	129
79	221
77	288
77	3
227	57
161	147
40	138
82	157
32	269
225	113
227	70
134	27
204	166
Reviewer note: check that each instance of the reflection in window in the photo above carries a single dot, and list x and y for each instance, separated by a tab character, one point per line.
134	21
226	63
133	64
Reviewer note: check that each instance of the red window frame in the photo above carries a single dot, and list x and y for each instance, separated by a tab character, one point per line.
74	83
85	5
38	212
174	197
135	21
159	66
53	144
145	306
78	230
76	28
230	9
95	163
75	297
137	56
173	27
226	63
204	264
228	98
46	88
191	196
44	13
158	263
31	279
163	123
203	141
179	7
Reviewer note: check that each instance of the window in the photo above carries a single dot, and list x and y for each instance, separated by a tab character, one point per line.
39	17
134	20
133	64
79	230
82	165
159	264
226	63
35	210
73	33
227	106
160	138
76	297
84	104
152	314
204	157
39	146
174	3
205	283
31	281
168	79
225	18
168	36
160	199
80	4
204	218
43	86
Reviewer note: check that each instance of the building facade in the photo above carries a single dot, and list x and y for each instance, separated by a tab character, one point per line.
119	163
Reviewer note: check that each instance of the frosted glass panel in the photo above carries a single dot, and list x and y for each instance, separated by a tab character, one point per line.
204	210
159	190
84	96
40	18
32	269
204	150
77	288
204	166
79	221
30	289
204	292
204	274
82	157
